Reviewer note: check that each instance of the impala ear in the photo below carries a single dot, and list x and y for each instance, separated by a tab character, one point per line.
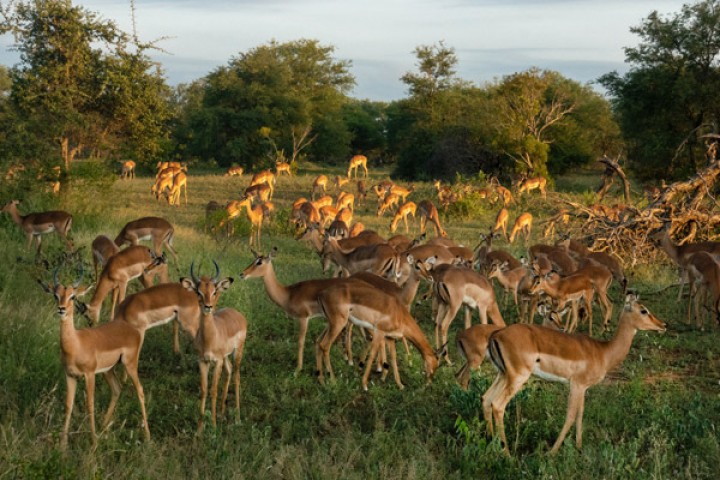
410	258
187	283
431	260
225	283
45	286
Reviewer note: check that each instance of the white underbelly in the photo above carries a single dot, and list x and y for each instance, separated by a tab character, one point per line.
548	376
362	323
469	301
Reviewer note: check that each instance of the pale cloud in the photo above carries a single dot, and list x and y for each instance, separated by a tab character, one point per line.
580	38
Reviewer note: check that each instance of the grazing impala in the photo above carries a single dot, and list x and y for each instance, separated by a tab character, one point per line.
234	172
505	195
156	229
501	222
341	181
384	314
428	213
379	258
391	200
102	249
90	351
173	195
221	333
40	223
128	170
356	162
523	224
401	191
265	177
407	209
319	183
520	351
129	264
260	192
535	183
345	200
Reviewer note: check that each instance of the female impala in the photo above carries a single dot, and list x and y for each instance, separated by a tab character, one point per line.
102	249
222	333
706	271
320	182
128	170
407	209
234	172
156	229
36	224
529	184
428	213
345	200
260	192
356	162
361	192
391	200
90	351
255	215
501	222
282	167
341	181
520	351
505	195
401	191
384	314
523	224
173	195
265	177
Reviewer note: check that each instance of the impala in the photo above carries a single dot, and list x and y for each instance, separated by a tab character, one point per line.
510	279
610	261
356	162
382	188
345	215
320	182
163	165
391	200
454	287
428	213
128	170
102	249
255	215
523	224
361	192
173	195
501	222
40	223
505	195
345	200
520	351
706	271
299	301
356	229
305	214
382	313
234	172
378	258
265	177
338	229
133	262
407	209
341	181
680	253
485	255
222	333
260	192
89	351
156	229
473	342
401	191
535	183
282	167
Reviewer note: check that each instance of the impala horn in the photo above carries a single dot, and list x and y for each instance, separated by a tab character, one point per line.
194	277
217	272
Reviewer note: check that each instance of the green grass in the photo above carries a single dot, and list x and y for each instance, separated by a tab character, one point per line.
655	417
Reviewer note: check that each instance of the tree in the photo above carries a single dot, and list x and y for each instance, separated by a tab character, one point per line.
81	83
669	98
276	97
528	105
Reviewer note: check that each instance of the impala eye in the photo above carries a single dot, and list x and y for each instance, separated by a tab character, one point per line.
258	261
644	312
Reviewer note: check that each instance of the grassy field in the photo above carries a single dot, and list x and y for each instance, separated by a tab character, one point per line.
655	417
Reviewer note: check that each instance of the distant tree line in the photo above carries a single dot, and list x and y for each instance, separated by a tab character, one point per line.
85	89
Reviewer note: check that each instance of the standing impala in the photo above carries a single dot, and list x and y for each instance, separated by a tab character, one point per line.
102	249
133	262
428	213
265	177
520	351
89	351
156	229
529	184
356	162
407	209
282	168
319	183
382	313
40	223
221	333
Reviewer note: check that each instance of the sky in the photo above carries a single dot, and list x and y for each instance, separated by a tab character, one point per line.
581	39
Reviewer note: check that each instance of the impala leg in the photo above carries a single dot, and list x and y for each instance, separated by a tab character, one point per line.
576	398
487	399
328	341
90	393
133	373
227	366
217	371
115	389
377	342
579	420
69	403
204	369
393	356
303	322
348	344
238	359
176	336
468	317
408	355
511	388
449	317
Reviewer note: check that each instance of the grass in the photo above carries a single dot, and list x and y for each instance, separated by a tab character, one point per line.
655	417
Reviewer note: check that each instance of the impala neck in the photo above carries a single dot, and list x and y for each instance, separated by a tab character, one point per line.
618	348
207	325
415	335
410	289
68	333
670	248
17	218
277	292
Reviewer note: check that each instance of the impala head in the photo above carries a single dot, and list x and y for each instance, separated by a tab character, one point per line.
259	267
208	289
157	260
498	267
639	316
11	205
422	268
661	234
65	295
